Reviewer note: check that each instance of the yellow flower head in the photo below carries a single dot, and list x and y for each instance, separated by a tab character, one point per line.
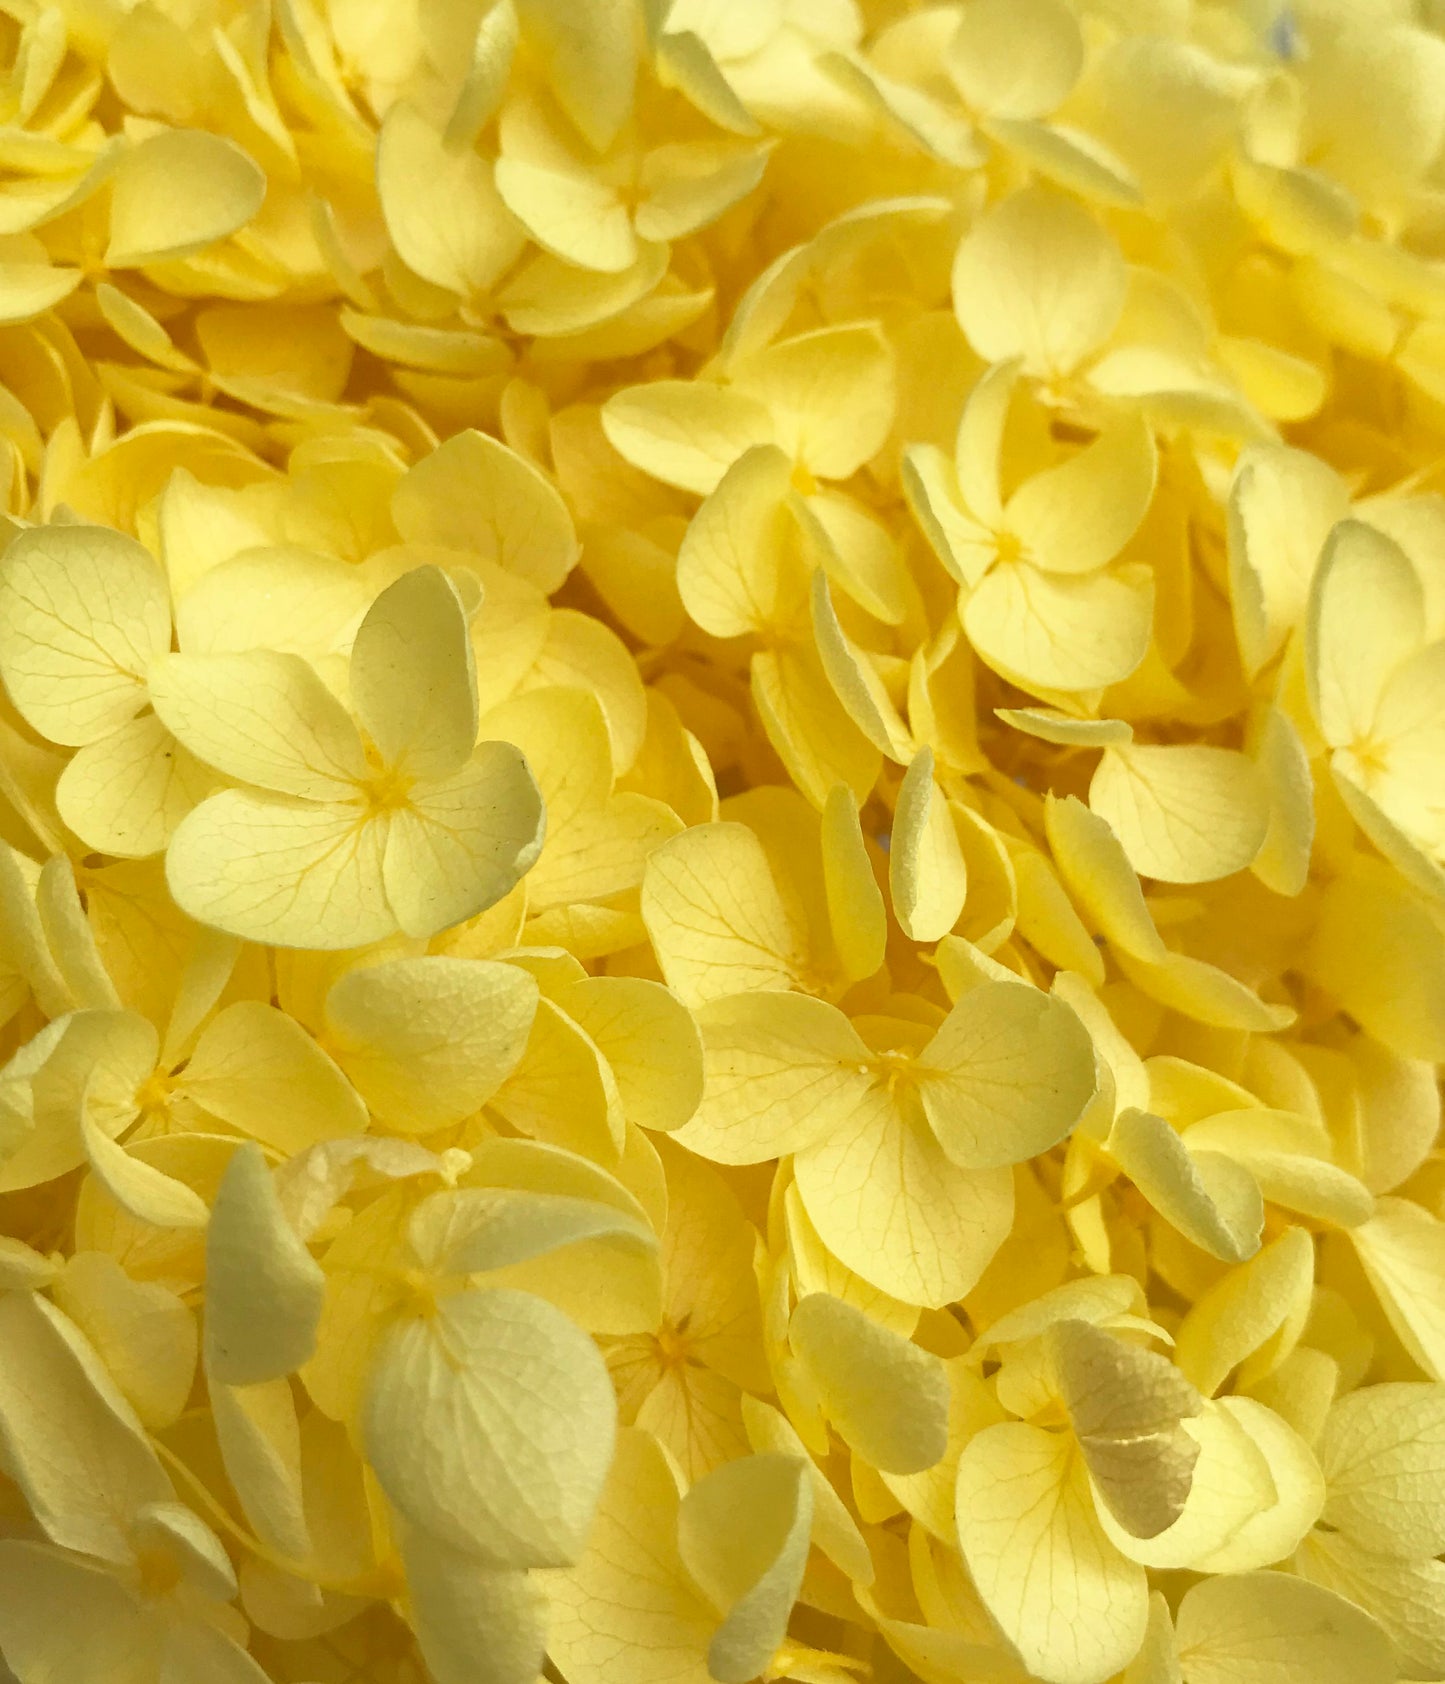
722	842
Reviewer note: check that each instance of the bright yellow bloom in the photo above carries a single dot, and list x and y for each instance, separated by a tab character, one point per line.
412	826
857	587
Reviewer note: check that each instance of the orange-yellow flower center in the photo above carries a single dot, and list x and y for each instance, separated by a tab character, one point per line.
154	1094
673	1347
1008	546
387	790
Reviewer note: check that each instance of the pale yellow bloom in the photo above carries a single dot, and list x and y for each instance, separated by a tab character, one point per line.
413	826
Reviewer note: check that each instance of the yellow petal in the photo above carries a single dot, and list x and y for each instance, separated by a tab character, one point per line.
1399	1114
1237	1624
1232	1486
927	874
1127	1405
1277	1528
26	943
1013	61
1185	814
428	1041
1379	1449
1254	1314
685	433
106	1053
924	120
182	1535
1365	615
35	1581
258	1435
857	551
708	1249
629	1609
589	62
856	912
71	937
263	1288
262	718
298	875
476	1230
1071	1605
1210	1199
473	1625
716	918
518	1486
258	1070
1404	1596
887	1397
1047	919
1379	950
1007	1075
195	1648
1409	749
303	359
474	494
1053	632
1402	1250
780	1070
459	845
1051	726
596	842
1158	1661
830	394
689	184
980	444
493	50
125	794
569	213
1038	278
811	730
412	680
1283	863
1206	993
72	1443
563	1090
855	679
900	1214
142	1331
149	1194
1288	1157
835	1531
580	652
177	193
82	613
1282	504
611	1284
441	206
964	546
30	289
1078	516
743	1534
736	561
650	1042
1183	111
311	1184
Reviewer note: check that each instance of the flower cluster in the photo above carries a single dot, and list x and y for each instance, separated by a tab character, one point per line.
722	842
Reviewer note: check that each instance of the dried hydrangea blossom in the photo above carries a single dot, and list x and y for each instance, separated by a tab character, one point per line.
722	842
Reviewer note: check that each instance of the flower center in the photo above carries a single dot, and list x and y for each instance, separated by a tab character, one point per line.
154	1094
673	1347
387	790
1008	546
